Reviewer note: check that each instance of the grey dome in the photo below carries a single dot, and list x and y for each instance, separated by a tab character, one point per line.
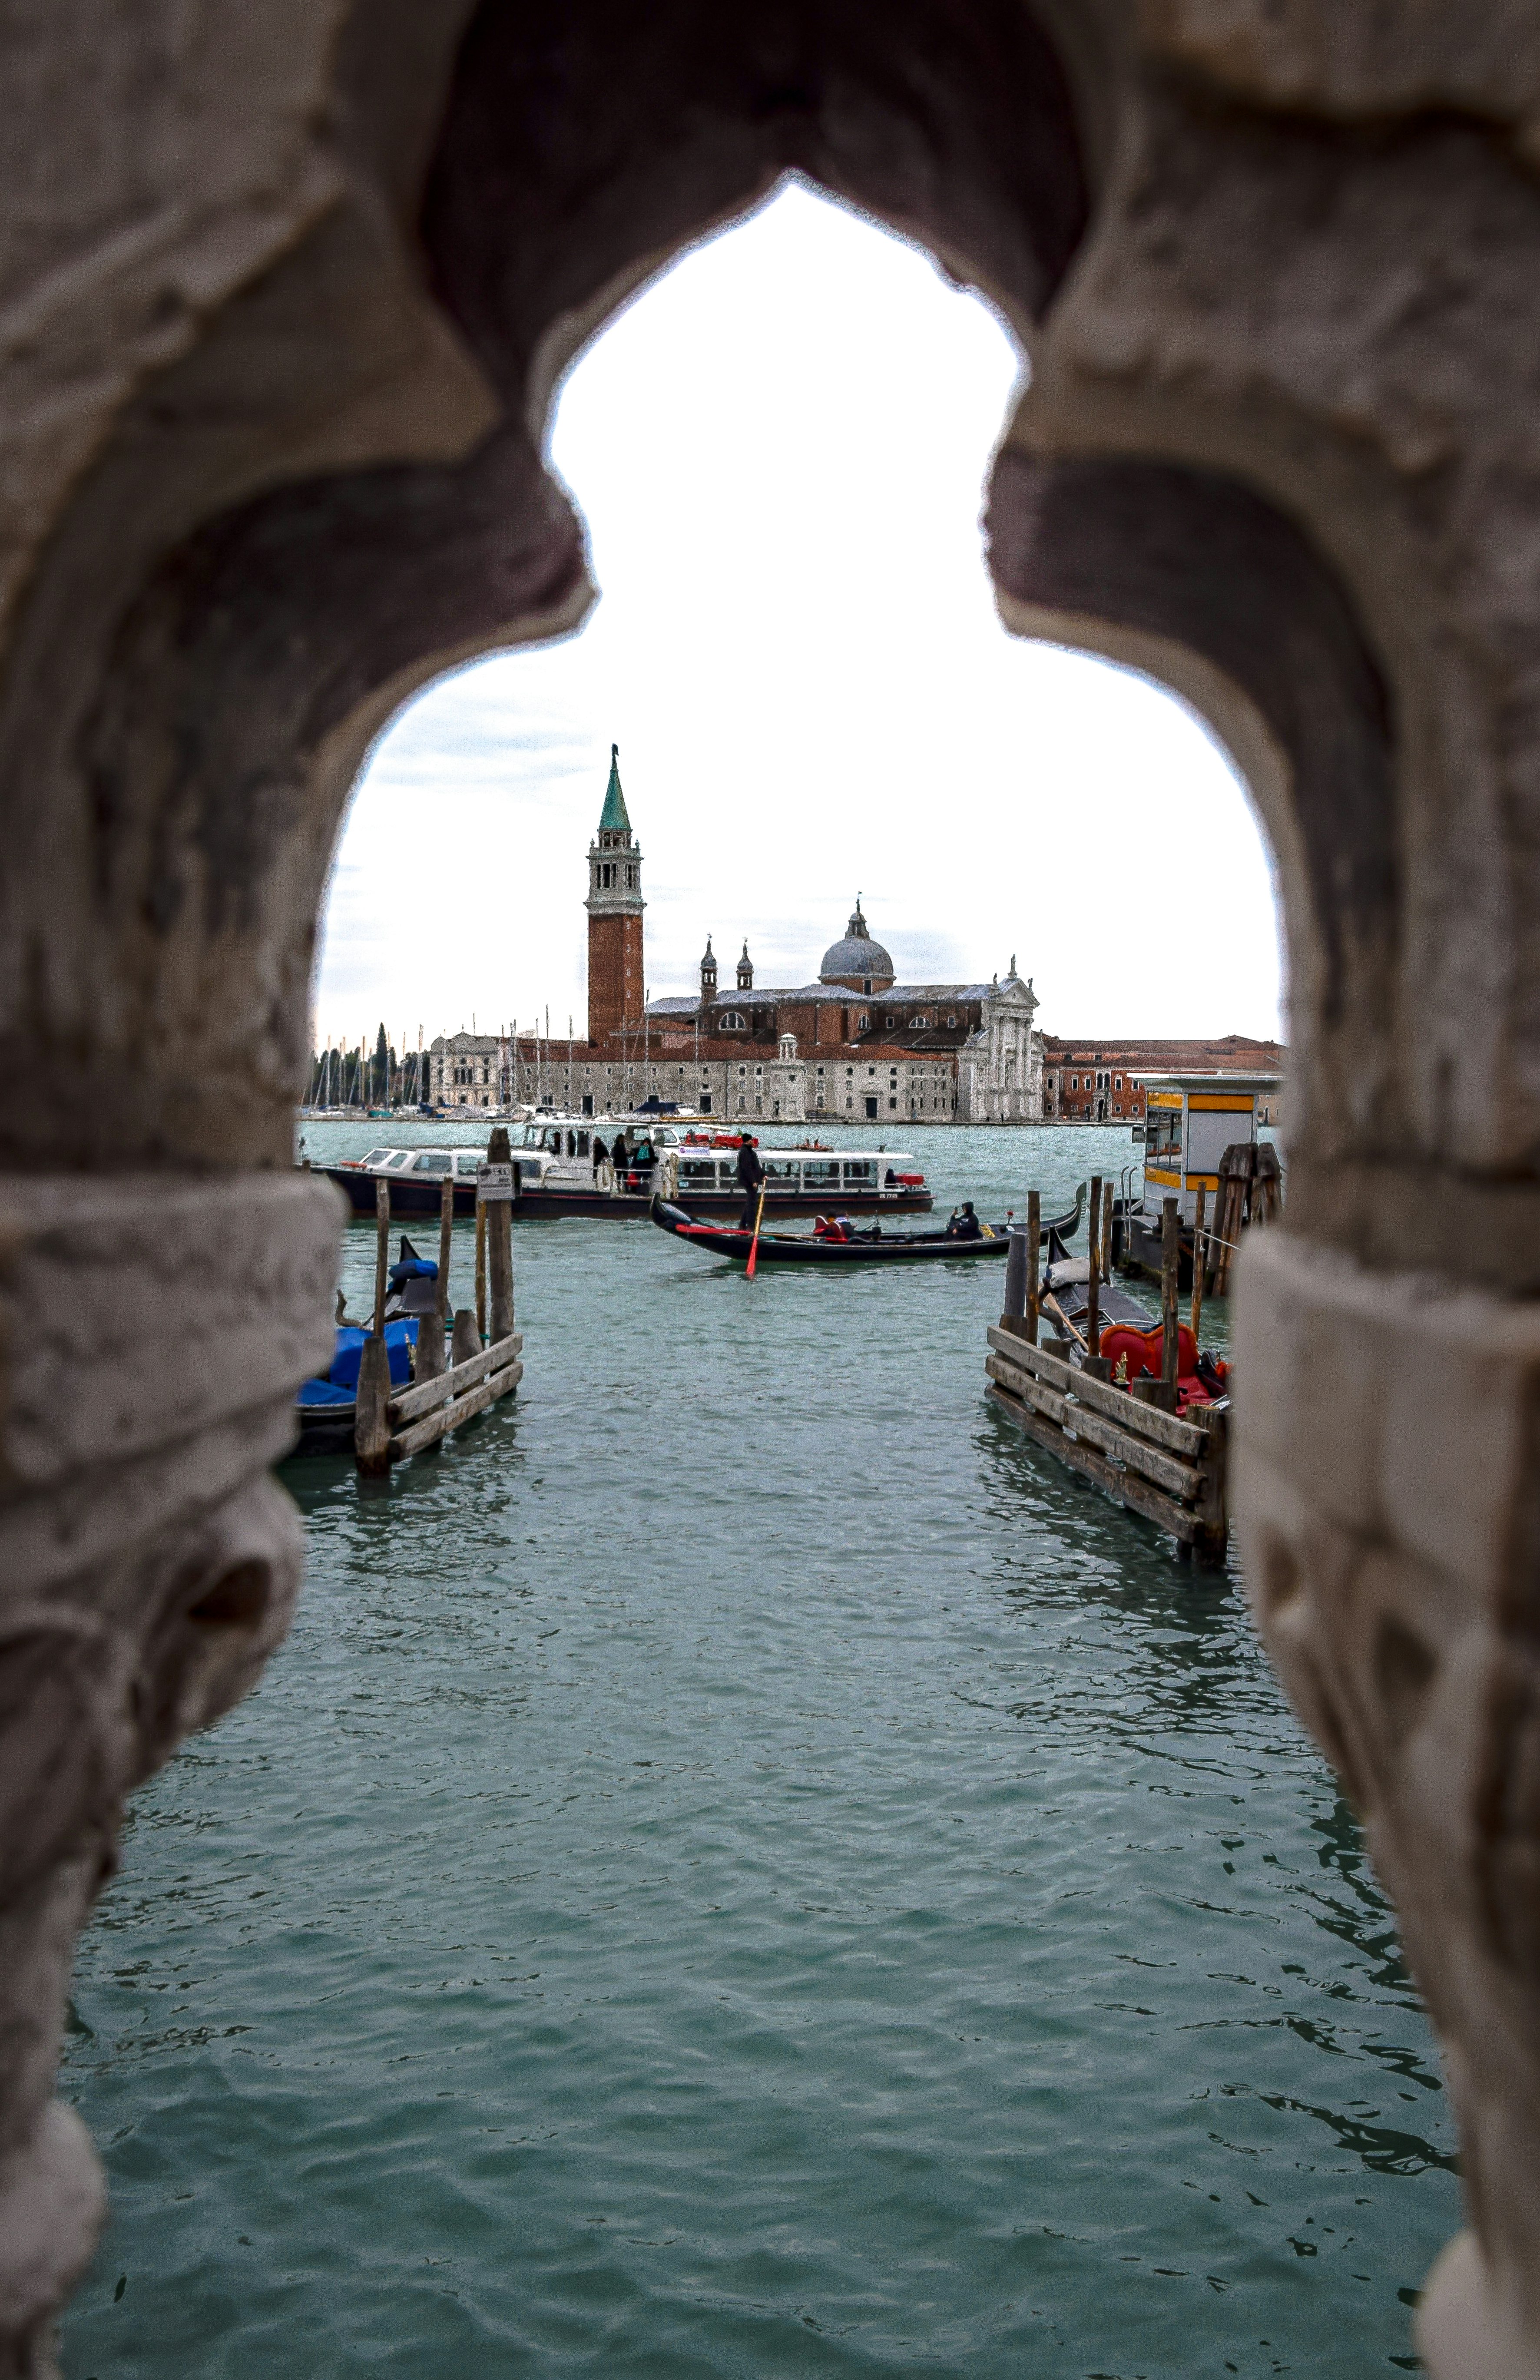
855	953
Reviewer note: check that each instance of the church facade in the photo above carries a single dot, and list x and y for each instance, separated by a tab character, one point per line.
853	1045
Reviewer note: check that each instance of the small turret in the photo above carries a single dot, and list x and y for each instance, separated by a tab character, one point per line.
745	970
708	972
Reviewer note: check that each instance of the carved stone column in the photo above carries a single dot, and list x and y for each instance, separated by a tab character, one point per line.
152	1329
1389	1492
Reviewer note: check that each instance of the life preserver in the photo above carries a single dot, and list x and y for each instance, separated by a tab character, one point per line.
667	1176
606	1179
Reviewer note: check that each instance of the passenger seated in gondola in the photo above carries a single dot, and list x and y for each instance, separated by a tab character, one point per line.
964	1225
832	1227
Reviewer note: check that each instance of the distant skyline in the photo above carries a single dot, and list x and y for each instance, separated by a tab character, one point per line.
779	449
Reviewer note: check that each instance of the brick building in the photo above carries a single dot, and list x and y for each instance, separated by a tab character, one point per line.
1100	1082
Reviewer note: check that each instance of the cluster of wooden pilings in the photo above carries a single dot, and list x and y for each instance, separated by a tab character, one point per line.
1250	1191
1130	1441
393	1423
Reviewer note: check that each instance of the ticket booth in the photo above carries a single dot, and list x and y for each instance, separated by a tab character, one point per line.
1190	1121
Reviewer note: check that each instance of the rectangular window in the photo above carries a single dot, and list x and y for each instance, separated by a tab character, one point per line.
860	1173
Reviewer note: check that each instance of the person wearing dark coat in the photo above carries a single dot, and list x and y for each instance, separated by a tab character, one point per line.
599	1154
620	1158
966	1225
750	1174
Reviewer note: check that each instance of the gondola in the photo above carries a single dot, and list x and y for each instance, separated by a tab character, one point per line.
325	1408
873	1247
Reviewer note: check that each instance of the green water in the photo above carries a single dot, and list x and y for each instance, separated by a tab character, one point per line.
745	1868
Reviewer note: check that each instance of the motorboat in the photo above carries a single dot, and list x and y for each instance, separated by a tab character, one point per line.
558	1170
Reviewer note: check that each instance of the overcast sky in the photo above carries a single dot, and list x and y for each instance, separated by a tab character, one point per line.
779	449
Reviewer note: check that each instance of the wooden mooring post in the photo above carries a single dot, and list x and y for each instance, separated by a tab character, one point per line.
500	1238
480	1266
371	1428
1093	1302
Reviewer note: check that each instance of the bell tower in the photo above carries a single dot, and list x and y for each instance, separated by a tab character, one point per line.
617	993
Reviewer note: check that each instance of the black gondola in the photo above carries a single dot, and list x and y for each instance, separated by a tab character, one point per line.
872	1246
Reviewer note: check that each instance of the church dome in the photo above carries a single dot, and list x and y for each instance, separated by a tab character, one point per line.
856	956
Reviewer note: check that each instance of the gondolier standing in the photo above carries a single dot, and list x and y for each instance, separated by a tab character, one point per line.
750	1174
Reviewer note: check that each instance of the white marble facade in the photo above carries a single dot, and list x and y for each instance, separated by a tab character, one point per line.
999	1068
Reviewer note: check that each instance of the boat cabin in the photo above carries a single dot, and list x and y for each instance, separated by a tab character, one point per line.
1190	1121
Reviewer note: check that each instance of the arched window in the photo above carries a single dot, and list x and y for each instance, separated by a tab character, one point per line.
863	1024
732	1022
918	1024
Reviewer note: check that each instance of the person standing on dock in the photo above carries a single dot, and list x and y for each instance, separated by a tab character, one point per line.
750	1174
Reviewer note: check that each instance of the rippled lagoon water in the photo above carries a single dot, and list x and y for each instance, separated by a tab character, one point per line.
745	1868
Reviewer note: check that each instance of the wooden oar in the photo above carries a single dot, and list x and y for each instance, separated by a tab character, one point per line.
753	1243
1050	1305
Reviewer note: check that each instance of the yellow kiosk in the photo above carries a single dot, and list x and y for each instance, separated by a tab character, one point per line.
1190	1121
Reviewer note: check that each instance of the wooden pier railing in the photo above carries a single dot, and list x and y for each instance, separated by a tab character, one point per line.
1172	1471
454	1397
1170	1467
389	1426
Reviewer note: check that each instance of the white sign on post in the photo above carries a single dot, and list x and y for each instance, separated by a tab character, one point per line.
494	1181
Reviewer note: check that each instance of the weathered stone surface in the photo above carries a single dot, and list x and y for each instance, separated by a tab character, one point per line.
283	295
152	1332
1393	1577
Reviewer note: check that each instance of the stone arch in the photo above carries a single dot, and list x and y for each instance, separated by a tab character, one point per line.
280	355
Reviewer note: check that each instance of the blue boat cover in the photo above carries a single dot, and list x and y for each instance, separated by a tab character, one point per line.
400	1338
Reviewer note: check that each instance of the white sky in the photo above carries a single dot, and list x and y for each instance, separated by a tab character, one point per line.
779	448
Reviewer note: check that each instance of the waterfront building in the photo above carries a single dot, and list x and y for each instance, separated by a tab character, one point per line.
853	1045
466	1070
1100	1082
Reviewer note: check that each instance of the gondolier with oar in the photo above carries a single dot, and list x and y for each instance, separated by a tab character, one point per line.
750	1174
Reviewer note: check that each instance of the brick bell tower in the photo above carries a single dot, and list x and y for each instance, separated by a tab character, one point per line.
614	905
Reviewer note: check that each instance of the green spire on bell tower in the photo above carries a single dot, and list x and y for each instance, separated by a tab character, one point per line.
613	818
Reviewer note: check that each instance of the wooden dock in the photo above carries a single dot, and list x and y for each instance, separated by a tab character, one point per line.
393	1423
1172	1471
1130	1441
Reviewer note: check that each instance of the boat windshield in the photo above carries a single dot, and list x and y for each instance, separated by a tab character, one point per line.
378	1156
432	1160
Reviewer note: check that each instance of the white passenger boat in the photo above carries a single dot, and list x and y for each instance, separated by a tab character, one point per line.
563	1165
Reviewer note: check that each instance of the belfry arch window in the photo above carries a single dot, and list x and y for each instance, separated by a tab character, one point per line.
734	1021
